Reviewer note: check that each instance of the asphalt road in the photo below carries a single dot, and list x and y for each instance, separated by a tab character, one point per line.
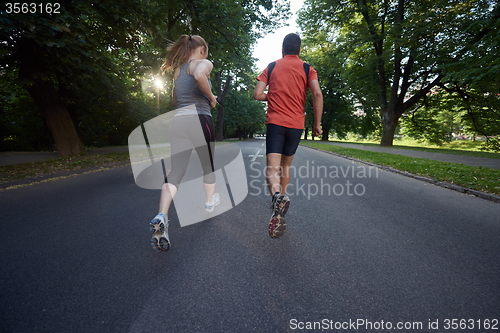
364	249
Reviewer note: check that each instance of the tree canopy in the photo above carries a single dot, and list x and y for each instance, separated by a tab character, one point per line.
392	54
84	76
88	68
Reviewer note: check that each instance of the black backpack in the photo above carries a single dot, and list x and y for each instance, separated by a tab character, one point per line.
271	67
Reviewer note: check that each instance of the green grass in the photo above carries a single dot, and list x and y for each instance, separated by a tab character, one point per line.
42	168
50	167
476	178
456	147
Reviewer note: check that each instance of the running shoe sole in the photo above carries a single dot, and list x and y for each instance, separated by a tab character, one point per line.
277	224
159	241
281	205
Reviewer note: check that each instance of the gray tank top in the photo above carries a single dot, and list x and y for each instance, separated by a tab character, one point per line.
187	93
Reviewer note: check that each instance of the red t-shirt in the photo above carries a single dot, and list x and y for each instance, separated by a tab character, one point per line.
286	94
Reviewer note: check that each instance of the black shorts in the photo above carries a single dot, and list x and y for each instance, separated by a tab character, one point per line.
282	140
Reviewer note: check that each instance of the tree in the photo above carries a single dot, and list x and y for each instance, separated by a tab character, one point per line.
435	119
339	116
454	111
243	115
467	100
84	66
21	124
401	50
61	54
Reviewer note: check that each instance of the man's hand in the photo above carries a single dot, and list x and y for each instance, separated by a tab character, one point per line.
317	131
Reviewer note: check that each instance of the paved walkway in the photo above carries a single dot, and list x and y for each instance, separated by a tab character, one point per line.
462	159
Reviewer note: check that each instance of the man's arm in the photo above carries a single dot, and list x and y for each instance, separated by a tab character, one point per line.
317	96
259	93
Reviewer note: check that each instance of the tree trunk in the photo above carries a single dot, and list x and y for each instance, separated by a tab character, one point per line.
58	118
306	133
221	97
389	125
326	132
49	102
219	132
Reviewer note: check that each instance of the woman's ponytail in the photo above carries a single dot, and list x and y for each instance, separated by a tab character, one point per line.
178	53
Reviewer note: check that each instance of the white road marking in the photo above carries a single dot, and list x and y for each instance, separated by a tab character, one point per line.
254	157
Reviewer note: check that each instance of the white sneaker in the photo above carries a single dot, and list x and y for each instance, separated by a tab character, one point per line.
159	228
209	206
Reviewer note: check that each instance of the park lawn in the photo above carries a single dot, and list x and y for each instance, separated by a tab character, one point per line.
455	147
476	178
41	168
53	166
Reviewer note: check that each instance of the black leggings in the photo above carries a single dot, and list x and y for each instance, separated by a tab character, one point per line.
185	134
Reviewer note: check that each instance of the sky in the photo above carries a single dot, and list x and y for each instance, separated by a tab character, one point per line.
268	49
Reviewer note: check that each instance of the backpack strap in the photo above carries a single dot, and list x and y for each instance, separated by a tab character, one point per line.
306	69
270	68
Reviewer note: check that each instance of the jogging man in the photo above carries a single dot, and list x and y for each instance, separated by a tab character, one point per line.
288	80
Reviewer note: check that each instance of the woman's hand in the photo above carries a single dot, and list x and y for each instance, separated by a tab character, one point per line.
213	101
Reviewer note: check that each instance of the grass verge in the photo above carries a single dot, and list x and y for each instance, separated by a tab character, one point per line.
476	178
49	167
44	169
457	147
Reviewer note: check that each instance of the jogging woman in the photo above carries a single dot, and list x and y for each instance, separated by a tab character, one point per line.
187	59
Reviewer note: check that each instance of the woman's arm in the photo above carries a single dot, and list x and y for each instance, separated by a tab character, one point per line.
201	73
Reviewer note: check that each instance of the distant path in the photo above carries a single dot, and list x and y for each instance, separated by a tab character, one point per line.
462	159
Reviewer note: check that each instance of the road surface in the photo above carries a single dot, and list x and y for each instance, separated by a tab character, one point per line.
365	249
